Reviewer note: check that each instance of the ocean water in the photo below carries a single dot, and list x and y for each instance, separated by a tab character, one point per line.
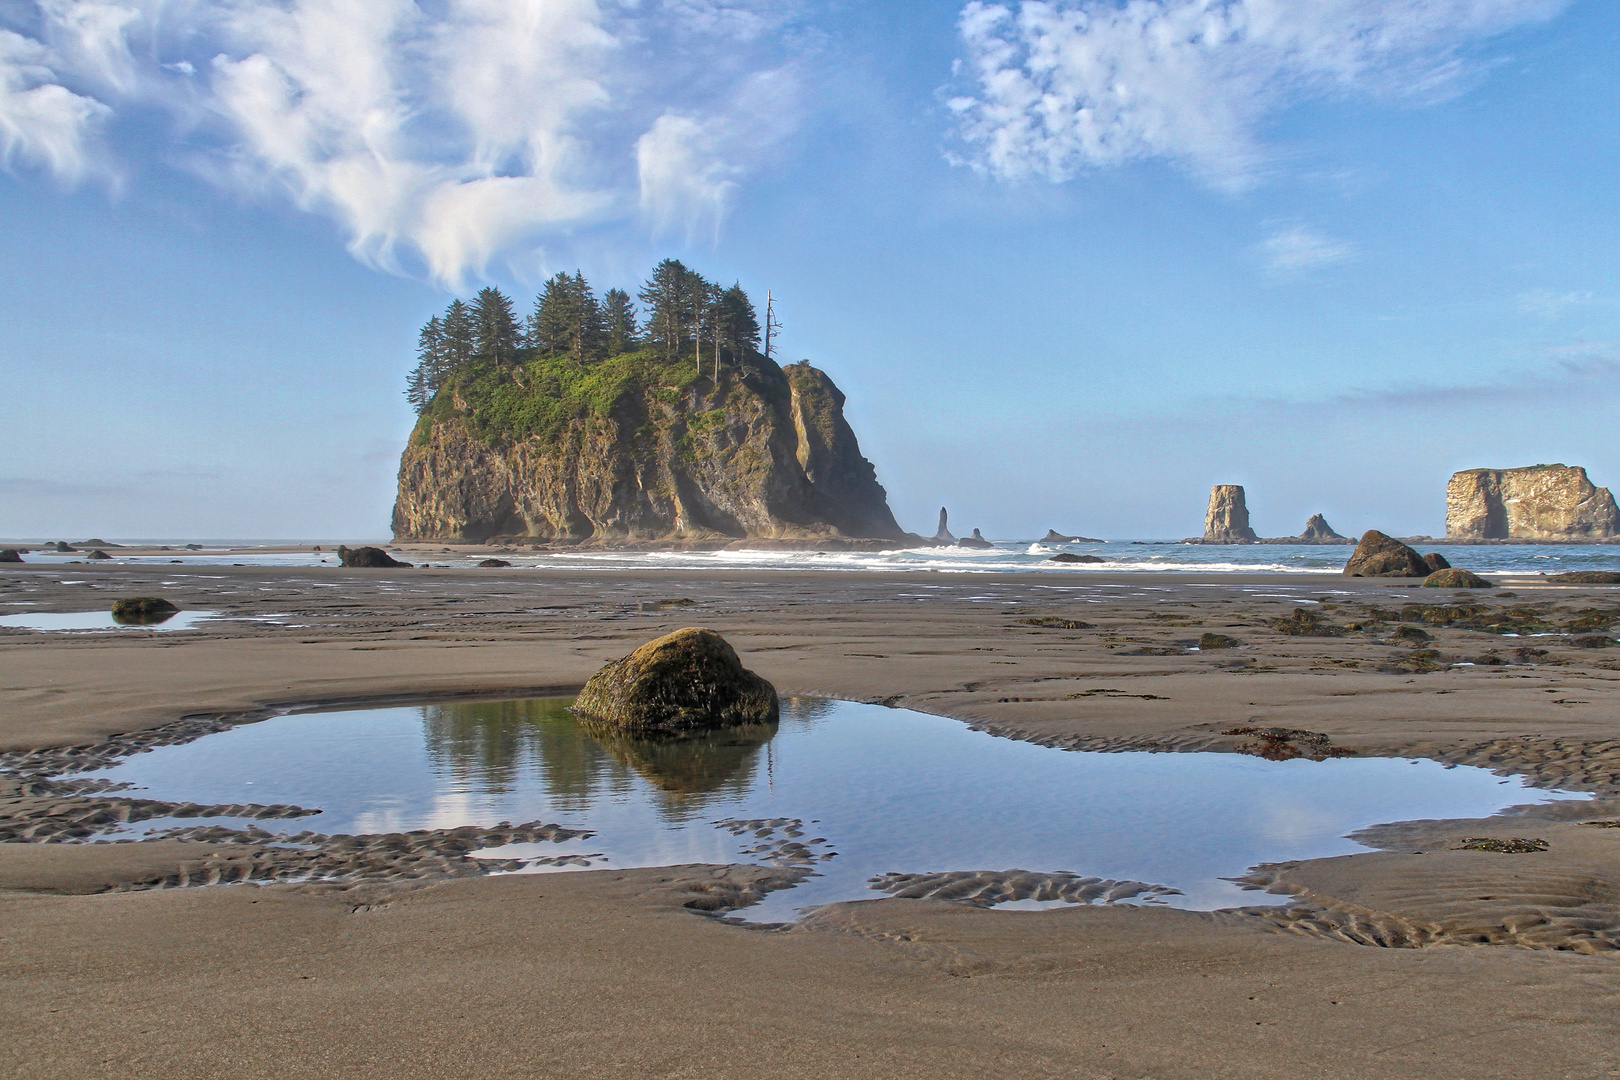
861	790
1008	556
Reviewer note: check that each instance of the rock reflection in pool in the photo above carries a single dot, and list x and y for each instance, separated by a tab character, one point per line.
888	790
494	746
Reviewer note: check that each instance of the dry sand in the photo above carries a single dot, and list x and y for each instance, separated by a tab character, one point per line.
1392	963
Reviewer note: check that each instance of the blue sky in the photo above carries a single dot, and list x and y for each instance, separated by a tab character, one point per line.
1072	262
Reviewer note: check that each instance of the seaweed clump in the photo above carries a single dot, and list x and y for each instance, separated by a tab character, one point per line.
1512	845
1303	623
1052	622
1286	744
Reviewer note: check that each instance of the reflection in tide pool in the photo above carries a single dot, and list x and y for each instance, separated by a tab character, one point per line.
57	621
864	790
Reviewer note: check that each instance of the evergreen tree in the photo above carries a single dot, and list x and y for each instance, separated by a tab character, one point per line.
458	338
587	333
738	321
494	327
665	297
428	374
619	322
548	325
567	318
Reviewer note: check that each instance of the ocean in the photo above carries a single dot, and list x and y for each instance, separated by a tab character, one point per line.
1008	556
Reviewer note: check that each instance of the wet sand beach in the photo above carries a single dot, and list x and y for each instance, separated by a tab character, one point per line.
1421	958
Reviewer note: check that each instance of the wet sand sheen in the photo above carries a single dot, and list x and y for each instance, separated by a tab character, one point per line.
627	980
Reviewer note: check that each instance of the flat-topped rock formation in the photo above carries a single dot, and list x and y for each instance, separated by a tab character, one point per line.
1054	537
1538	503
977	540
1227	519
638	448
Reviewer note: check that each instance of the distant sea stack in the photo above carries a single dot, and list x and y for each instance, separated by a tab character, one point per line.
1227	520
943	536
639	448
1542	502
1318	531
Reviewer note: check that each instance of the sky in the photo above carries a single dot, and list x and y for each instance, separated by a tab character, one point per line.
1071	261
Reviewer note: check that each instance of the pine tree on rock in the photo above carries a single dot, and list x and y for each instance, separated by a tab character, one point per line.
495	327
740	322
431	368
587	332
665	294
458	337
619	322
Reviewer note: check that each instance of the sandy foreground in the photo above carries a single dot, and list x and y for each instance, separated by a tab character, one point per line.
1449	963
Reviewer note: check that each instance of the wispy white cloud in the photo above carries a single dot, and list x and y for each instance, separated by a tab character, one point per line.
686	165
1066	85
42	123
1299	249
1551	305
437	136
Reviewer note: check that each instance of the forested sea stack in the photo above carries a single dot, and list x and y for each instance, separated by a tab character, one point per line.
584	422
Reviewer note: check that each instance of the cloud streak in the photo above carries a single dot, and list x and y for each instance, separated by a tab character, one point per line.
1300	249
437	137
1061	86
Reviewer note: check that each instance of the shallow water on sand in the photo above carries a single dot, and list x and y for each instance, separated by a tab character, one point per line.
858	790
56	621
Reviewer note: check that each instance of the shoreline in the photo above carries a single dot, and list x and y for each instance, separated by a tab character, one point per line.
993	651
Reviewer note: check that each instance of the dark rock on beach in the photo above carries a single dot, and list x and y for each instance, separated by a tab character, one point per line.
62	548
367	557
1436	561
1588	577
495	563
1379	555
98	555
685	681
10	555
1069	557
1453	577
977	540
143	610
1217	641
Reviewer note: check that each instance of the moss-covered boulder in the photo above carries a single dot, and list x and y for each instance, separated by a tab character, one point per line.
1217	641
367	558
1455	577
143	609
1379	555
685	681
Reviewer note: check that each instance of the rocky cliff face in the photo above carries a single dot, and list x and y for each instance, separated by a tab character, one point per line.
1542	502
1227	520
638	448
